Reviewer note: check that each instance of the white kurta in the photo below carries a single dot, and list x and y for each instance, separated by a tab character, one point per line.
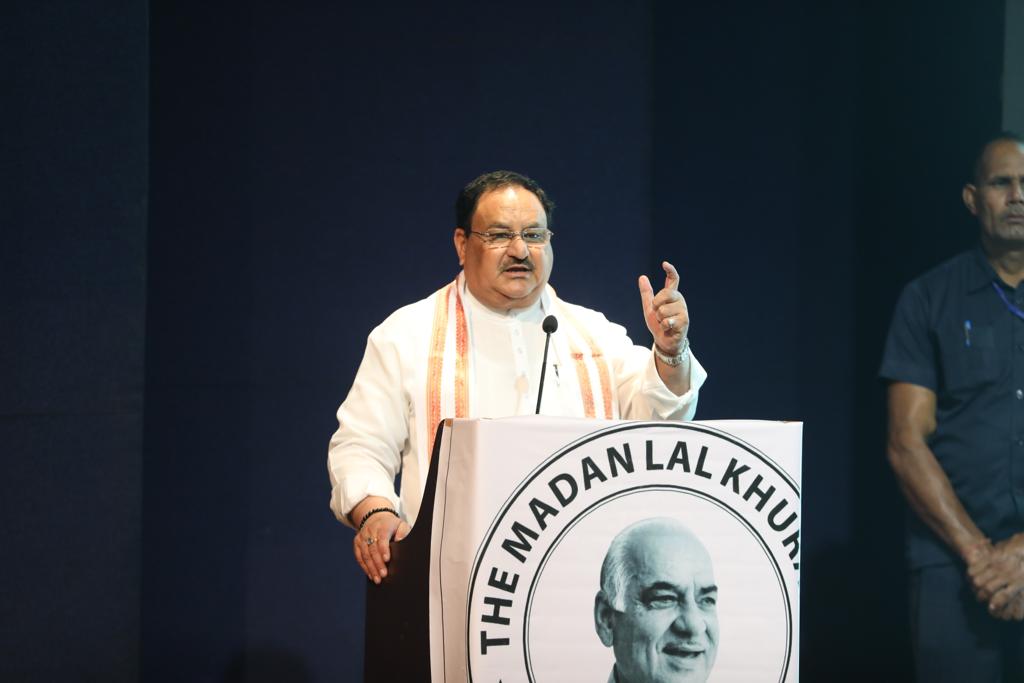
377	433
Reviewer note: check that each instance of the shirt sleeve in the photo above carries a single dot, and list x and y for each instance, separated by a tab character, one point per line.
365	453
910	353
644	395
641	392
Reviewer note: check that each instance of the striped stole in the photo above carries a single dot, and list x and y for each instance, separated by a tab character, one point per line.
447	386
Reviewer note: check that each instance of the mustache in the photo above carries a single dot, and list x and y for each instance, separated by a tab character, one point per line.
517	263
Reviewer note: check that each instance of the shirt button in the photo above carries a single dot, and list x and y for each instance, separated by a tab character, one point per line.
1019	394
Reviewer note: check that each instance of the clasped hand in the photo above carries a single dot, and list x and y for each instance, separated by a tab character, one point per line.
996	573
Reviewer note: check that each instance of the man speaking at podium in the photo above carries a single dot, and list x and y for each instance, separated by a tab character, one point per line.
474	349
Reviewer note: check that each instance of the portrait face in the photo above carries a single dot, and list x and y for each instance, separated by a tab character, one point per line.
667	629
512	276
997	195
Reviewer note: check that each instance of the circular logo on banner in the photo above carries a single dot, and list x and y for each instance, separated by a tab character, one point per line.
667	551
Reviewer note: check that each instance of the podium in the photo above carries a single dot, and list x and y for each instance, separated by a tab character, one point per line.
499	579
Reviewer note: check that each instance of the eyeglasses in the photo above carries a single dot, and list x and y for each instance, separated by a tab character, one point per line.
500	239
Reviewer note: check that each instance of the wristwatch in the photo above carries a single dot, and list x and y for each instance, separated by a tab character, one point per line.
677	359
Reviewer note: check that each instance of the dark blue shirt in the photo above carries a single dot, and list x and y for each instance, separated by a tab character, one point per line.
953	334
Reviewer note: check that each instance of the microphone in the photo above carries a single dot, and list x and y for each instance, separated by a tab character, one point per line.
549	325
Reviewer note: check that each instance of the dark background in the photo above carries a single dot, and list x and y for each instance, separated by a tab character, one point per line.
205	208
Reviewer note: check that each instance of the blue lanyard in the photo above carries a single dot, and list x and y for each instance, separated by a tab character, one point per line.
1009	304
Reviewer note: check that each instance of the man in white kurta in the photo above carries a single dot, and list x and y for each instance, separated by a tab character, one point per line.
474	349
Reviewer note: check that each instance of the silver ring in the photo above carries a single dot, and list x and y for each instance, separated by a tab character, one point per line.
671	322
371	540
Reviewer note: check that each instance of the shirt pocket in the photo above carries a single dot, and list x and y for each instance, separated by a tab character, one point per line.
969	359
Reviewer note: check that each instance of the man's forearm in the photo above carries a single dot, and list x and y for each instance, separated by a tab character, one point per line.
931	496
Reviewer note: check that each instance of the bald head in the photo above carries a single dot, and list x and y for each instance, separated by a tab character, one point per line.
638	540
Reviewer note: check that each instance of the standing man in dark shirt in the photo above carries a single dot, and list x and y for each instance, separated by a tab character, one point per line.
955	362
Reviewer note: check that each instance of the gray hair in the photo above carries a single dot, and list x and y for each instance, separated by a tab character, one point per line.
615	571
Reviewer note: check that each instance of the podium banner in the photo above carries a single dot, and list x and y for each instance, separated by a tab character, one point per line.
695	526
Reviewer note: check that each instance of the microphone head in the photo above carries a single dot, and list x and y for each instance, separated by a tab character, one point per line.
550	324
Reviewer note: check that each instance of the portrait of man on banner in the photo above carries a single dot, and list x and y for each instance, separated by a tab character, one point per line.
657	607
653	575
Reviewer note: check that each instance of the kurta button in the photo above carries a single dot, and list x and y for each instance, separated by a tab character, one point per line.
1019	394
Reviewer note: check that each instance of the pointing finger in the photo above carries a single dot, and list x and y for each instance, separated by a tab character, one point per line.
671	276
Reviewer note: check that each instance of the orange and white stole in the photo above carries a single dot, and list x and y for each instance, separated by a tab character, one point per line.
447	363
448	367
588	364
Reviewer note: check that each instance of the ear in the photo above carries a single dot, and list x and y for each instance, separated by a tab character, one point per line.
604	619
460	245
969	194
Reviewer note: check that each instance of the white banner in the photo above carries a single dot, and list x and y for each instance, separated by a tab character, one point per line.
668	550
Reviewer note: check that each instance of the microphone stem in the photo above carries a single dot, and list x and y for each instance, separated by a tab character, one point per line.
543	369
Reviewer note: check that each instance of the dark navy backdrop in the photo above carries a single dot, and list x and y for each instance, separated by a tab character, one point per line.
797	161
73	183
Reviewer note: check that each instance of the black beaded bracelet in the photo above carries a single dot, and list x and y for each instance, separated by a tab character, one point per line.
372	512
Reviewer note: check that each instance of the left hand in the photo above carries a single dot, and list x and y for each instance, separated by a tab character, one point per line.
665	312
372	544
